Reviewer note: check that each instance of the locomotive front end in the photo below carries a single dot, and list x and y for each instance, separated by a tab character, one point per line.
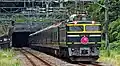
82	41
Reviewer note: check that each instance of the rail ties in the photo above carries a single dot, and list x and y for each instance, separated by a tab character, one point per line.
31	61
28	58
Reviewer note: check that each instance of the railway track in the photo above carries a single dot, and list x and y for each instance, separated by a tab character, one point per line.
91	64
33	59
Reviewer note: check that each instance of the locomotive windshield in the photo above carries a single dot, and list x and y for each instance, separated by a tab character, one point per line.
75	28
93	28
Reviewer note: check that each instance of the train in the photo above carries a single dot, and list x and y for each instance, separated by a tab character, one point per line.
77	39
5	41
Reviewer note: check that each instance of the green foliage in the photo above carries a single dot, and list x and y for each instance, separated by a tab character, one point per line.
102	45
19	18
98	14
7	58
114	57
115	46
22	18
4	29
96	11
114	30
112	60
114	10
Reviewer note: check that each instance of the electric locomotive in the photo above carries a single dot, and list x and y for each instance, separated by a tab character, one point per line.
77	39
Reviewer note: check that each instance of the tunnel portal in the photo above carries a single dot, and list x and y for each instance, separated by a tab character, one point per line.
20	39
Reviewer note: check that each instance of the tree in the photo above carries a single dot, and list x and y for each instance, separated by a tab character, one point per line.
114	30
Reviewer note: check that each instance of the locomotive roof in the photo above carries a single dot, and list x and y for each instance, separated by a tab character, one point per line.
82	22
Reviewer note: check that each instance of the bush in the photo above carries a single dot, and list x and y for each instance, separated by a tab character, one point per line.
7	58
114	30
114	53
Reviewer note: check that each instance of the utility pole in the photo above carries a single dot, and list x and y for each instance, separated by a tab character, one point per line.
106	27
76	6
61	3
107	46
47	7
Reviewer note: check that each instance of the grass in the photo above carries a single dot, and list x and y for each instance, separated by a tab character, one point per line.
113	59
7	58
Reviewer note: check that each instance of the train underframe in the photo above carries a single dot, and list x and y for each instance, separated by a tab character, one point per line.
78	52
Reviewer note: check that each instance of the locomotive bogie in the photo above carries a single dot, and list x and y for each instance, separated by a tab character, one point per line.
84	58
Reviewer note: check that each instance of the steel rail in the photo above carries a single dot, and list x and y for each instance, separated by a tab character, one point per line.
28	58
92	64
38	58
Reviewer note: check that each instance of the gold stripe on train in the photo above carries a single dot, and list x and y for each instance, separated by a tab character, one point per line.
83	24
84	31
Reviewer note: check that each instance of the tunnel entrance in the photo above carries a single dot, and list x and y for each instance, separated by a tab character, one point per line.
20	39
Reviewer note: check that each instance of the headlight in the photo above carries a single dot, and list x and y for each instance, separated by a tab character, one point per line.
72	49
5	39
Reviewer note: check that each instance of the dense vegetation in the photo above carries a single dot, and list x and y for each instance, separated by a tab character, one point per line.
4	29
98	13
7	58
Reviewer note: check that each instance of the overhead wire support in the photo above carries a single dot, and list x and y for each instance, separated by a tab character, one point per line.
47	7
106	27
106	6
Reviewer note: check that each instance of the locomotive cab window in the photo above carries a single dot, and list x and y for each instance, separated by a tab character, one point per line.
93	28
75	28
